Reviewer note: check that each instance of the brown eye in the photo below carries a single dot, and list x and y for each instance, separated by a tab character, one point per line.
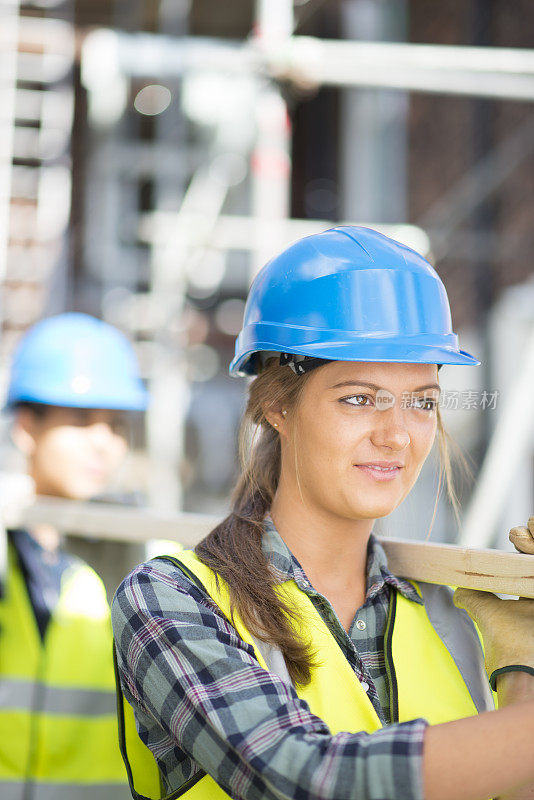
79	417
356	400
425	403
119	426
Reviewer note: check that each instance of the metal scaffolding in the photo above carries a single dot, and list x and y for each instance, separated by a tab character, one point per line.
231	185
37	57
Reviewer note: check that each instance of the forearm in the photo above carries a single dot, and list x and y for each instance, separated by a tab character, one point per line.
514	688
490	755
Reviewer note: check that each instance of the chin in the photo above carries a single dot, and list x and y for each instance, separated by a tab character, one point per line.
81	492
373	513
371	510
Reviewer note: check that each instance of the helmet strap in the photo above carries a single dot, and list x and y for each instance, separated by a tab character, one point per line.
301	364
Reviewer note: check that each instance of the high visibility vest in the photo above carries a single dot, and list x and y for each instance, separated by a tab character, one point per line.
58	720
433	655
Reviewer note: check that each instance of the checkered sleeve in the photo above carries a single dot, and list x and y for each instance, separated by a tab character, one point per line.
202	700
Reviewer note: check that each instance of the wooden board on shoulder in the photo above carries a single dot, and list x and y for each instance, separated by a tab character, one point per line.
490	570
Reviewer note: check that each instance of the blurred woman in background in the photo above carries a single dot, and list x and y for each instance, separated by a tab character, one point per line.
73	382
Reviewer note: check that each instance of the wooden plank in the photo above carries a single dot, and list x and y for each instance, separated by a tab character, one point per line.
118	522
491	570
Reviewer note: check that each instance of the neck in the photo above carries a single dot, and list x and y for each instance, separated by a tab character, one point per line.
47	536
44	533
332	550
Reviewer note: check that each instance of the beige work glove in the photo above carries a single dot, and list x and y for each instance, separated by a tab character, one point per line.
507	626
523	538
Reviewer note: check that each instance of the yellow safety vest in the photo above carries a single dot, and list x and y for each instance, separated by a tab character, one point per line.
424	678
58	721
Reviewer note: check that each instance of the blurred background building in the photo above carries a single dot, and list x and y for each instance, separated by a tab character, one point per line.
155	153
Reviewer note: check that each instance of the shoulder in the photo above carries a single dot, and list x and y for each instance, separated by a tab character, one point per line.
83	592
461	638
438	596
159	587
437	593
159	574
443	613
36	560
159	611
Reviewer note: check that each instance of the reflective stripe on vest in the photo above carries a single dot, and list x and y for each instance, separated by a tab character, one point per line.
58	723
429	676
62	791
20	694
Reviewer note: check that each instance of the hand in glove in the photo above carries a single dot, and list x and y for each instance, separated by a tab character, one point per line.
523	538
507	626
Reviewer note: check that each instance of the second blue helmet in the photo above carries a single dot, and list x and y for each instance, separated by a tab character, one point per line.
76	360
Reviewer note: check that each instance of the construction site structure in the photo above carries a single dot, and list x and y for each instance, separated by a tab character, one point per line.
185	204
36	82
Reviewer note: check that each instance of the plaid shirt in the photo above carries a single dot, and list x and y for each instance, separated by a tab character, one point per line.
202	700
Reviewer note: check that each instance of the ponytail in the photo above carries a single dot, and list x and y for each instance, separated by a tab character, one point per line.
234	548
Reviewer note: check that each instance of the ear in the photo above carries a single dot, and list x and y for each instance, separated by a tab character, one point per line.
275	415
24	431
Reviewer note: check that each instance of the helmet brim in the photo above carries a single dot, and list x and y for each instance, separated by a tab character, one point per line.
383	352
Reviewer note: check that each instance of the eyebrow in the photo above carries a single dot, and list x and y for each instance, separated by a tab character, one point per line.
374	386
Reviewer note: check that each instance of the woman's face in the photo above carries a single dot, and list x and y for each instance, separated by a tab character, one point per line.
73	452
352	418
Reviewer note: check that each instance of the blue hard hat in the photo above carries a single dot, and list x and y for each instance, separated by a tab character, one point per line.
348	294
78	361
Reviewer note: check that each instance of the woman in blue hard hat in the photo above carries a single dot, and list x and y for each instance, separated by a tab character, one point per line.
73	381
282	658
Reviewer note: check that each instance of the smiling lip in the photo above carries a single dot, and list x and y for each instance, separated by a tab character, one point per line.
380	464
381	470
95	470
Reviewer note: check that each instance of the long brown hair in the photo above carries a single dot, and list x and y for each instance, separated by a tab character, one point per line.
234	548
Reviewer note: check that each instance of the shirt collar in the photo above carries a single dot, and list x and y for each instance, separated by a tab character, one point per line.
286	567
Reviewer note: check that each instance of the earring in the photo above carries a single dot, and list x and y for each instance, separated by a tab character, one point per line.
284	412
275	424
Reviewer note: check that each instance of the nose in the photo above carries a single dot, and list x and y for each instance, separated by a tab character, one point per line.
101	434
390	429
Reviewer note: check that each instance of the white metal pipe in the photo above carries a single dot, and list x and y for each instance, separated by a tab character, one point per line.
478	71
237	232
445	57
497	72
141	54
271	173
274	20
271	159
